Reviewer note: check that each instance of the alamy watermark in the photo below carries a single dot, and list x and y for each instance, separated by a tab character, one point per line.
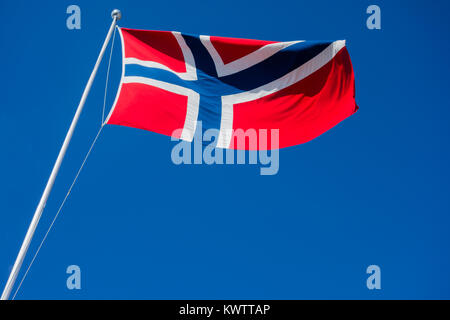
374	280
73	21
73	282
374	20
203	148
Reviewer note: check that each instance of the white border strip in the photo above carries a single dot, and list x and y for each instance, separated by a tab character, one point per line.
245	62
228	102
191	71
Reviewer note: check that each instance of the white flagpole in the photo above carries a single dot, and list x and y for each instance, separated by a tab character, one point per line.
116	15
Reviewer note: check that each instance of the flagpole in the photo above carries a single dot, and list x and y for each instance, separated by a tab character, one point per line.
116	15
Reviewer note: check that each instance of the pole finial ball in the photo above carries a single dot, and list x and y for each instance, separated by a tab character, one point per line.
117	14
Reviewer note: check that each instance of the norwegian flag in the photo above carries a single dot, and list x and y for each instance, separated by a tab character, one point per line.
171	81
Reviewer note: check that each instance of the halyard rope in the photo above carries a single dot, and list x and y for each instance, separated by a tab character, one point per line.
57	213
76	176
107	76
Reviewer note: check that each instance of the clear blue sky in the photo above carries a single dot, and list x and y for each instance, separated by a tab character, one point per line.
374	190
